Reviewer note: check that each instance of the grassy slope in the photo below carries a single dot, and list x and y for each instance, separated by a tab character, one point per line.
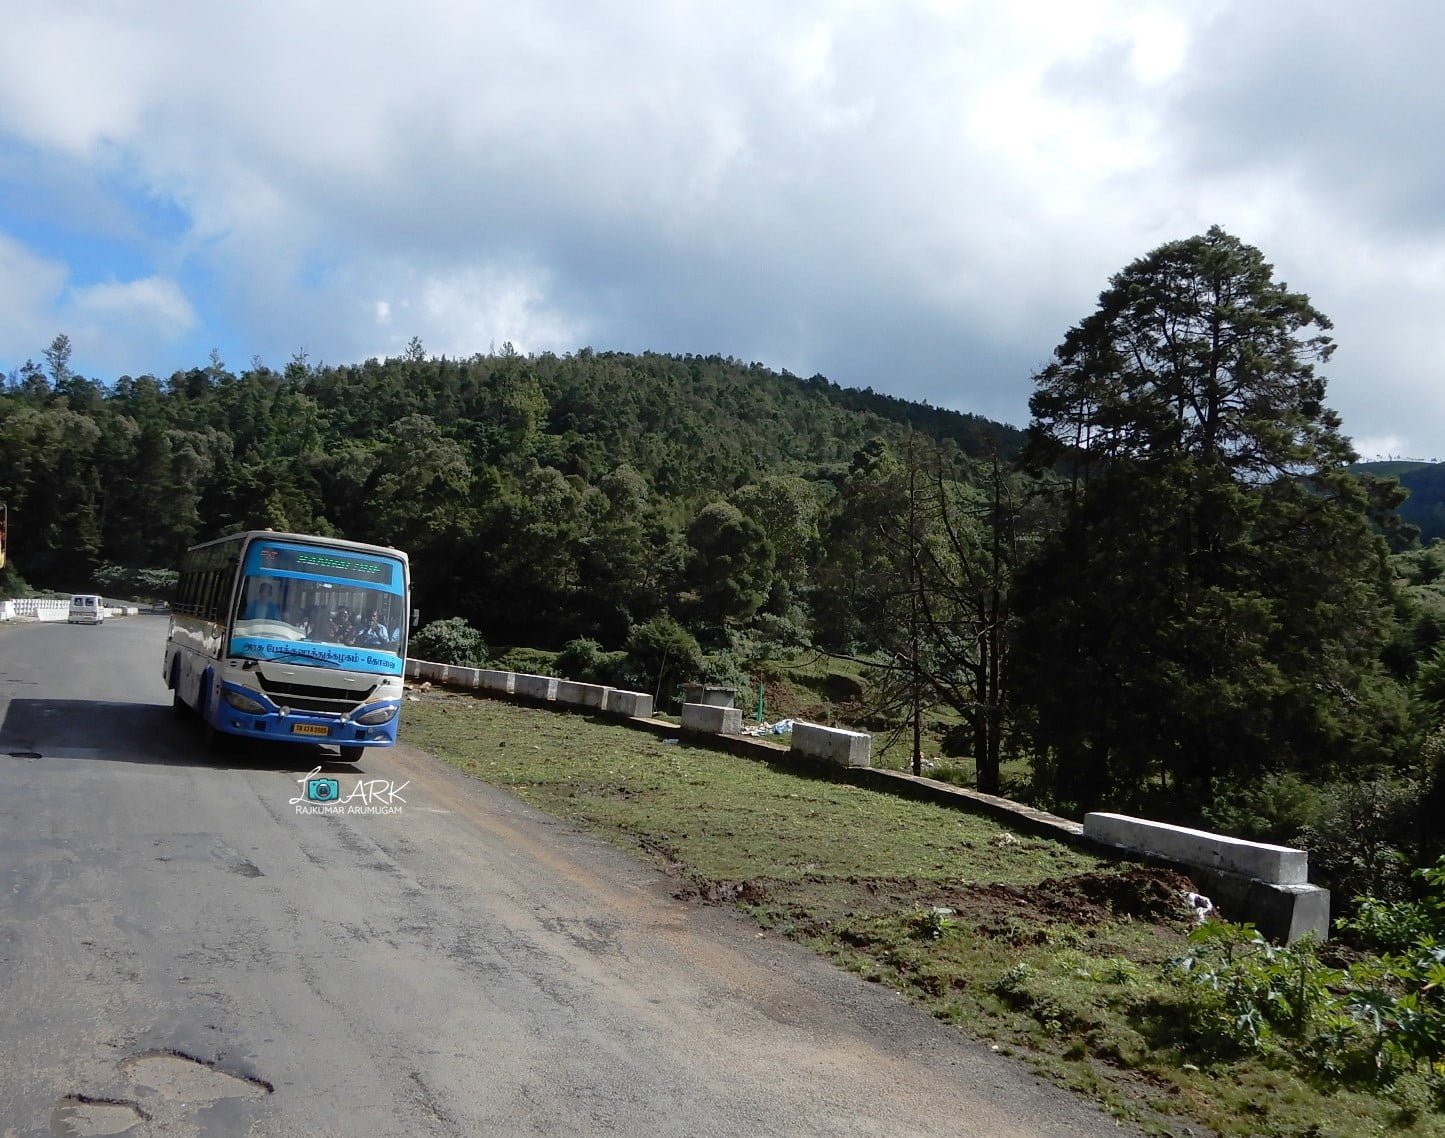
1026	943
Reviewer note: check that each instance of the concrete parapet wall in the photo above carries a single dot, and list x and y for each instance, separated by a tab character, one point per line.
1278	865
47	608
571	693
535	687
634	704
491	680
707	719
1265	885
39	608
576	694
845	748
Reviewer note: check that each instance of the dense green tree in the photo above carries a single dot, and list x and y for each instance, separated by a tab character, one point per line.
417	489
788	507
1214	604
729	566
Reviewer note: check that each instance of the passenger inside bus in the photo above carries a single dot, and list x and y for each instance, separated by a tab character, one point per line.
342	629
263	605
373	633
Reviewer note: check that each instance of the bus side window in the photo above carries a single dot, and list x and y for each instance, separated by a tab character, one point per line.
209	602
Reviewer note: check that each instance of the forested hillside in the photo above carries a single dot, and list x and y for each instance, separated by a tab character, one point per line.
541	498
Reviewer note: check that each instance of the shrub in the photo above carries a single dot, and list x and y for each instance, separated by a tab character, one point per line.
1275	808
450	641
664	653
1360	842
528	661
578	660
584	660
723	670
1404	927
1371	1022
11	583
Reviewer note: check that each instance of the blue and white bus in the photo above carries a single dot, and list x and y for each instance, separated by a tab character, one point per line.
291	638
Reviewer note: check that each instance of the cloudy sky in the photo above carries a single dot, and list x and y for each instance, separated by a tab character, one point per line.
915	195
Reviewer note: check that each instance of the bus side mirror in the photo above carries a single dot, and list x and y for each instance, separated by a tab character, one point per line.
416	618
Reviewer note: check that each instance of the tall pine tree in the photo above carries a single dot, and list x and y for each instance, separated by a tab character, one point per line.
1213	605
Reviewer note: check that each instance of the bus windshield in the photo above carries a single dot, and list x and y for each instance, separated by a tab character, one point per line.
321	606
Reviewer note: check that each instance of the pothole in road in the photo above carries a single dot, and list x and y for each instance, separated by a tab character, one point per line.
191	1080
26	755
80	1116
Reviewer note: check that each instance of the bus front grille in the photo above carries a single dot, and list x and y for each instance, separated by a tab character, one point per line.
310	697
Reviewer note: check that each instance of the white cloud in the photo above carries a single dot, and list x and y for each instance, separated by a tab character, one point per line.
29	289
156	307
474	310
1382	447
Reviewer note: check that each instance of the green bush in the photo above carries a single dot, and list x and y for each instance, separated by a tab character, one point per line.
528	661
584	660
1404	927
723	670
663	654
578	660
450	641
13	585
1275	808
1362	837
1371	1022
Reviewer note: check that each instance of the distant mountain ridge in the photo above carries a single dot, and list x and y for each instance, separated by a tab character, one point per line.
1425	507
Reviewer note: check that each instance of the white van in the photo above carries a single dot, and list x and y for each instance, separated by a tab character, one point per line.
86	608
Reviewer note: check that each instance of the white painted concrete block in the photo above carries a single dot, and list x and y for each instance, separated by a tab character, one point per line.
491	680
707	719
832	744
535	687
1279	865
634	703
593	697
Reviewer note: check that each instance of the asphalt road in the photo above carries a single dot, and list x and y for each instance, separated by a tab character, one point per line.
182	952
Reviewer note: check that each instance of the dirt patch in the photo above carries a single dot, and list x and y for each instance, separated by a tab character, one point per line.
723	893
838	688
1089	899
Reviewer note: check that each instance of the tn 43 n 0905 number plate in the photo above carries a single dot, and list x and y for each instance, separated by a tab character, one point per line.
309	729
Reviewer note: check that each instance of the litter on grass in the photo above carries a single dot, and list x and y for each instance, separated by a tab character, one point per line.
781	727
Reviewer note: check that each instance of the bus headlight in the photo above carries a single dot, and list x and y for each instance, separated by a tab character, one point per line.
243	702
373	718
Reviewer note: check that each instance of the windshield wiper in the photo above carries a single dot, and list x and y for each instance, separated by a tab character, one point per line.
292	653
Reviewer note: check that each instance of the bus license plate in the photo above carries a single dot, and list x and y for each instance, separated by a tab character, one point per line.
309	729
